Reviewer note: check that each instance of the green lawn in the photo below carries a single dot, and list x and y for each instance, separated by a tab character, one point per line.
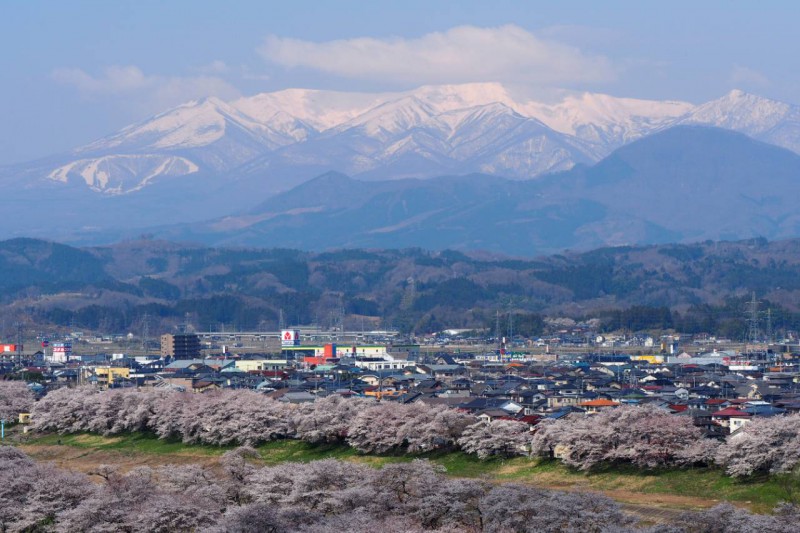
706	483
132	443
760	494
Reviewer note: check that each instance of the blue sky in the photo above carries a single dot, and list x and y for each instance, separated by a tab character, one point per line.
74	71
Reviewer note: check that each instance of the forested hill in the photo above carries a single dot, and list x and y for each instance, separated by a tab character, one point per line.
700	287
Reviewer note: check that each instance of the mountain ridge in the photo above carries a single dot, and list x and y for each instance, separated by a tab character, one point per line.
119	287
288	136
686	184
209	159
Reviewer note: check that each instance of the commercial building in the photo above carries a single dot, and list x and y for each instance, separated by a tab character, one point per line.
258	365
180	345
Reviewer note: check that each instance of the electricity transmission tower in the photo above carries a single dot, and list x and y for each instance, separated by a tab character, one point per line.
753	333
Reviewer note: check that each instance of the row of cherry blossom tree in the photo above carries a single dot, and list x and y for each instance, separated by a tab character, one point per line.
649	437
246	417
646	437
323	497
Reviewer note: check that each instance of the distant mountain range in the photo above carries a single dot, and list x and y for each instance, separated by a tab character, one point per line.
535	177
685	184
123	286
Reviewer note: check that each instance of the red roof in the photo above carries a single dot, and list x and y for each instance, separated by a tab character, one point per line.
731	412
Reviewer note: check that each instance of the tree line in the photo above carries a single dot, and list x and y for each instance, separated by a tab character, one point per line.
324	496
645	437
249	288
247	417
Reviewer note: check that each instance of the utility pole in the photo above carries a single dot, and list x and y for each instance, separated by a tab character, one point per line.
409	295
342	317
769	325
145	331
19	341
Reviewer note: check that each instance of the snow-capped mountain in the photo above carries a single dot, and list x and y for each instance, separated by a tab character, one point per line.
604	120
277	140
767	120
208	135
411	137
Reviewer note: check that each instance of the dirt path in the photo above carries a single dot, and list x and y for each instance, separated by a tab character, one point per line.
658	508
87	460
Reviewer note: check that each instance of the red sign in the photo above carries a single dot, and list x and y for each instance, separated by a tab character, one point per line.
290	337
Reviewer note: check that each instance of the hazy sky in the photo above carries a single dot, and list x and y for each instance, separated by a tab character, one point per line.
72	71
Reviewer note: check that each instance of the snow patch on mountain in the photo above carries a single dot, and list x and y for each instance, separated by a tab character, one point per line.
293	134
120	174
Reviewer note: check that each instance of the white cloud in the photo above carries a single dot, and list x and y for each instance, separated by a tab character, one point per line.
744	76
151	92
462	54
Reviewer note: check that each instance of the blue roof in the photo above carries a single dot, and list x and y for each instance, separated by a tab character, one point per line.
764	410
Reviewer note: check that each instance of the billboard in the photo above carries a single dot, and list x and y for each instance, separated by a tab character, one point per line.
7	348
290	337
62	351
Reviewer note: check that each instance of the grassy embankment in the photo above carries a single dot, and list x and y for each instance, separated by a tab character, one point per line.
685	488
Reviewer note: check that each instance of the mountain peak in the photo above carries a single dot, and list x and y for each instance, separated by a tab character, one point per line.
393	116
736	94
212	101
739	97
746	113
450	97
320	109
279	139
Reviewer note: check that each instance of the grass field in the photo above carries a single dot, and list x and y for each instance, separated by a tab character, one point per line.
687	488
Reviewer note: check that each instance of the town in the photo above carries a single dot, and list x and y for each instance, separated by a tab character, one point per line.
721	386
